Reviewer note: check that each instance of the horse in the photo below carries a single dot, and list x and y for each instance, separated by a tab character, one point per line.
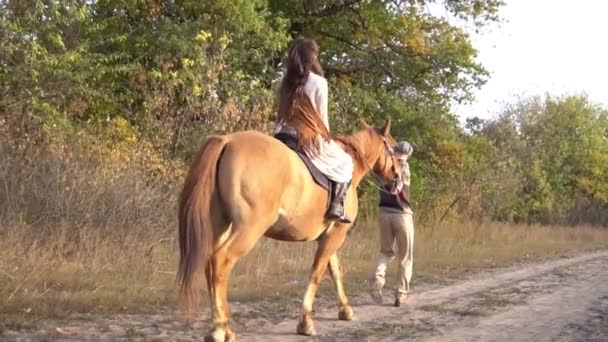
246	185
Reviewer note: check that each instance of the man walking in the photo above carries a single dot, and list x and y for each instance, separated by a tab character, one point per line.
396	229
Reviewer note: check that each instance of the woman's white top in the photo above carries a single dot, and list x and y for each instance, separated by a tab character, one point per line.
331	159
317	90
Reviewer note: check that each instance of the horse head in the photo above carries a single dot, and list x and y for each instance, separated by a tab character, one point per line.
380	158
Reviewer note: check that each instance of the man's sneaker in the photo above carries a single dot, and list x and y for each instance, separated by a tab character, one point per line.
400	299
376	295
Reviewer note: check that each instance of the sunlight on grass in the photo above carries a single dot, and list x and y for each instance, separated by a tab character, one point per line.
52	274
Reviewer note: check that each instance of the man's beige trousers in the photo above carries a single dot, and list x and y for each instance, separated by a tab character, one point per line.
396	230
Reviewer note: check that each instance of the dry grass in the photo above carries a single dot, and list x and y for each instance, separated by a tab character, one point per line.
132	270
77	239
454	250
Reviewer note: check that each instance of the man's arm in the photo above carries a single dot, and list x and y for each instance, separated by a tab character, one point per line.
405	175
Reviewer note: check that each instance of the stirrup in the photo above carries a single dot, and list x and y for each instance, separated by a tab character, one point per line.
336	210
341	218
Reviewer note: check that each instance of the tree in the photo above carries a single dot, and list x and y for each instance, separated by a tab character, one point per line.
393	48
559	147
178	70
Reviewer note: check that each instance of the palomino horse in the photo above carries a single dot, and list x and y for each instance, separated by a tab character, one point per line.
246	185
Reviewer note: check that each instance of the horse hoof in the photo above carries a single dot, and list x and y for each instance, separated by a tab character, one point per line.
306	328
211	338
219	335
230	336
346	314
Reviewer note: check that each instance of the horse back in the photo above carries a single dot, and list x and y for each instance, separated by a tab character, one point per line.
258	176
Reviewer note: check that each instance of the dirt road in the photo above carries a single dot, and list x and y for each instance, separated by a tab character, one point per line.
559	300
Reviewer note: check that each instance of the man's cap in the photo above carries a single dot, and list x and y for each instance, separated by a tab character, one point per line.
404	147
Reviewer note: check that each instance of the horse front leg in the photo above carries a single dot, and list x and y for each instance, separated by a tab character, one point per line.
345	312
328	245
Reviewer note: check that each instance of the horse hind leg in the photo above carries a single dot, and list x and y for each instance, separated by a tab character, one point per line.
345	312
221	265
209	278
241	240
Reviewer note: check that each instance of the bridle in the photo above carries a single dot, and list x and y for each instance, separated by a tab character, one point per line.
377	177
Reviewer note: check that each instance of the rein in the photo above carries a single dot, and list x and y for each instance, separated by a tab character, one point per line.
376	177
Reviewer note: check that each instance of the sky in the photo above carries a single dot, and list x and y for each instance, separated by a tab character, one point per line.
542	47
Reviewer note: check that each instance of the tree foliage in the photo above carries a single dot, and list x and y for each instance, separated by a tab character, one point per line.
552	153
174	71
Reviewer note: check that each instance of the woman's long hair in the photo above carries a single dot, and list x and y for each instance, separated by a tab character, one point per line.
295	107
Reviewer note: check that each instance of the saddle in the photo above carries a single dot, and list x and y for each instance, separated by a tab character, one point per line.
292	142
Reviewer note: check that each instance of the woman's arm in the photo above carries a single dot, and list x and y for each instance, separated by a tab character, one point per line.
321	96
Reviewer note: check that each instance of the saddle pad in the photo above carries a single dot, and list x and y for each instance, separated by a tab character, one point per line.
292	142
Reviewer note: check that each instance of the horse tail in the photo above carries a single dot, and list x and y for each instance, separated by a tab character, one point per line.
195	222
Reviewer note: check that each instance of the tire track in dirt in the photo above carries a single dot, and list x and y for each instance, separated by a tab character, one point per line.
547	314
373	321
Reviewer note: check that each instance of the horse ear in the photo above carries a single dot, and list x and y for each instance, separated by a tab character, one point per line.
387	127
364	124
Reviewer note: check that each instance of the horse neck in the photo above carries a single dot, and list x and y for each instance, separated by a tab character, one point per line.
369	150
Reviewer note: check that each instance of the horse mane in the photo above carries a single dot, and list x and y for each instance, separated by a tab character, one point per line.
354	143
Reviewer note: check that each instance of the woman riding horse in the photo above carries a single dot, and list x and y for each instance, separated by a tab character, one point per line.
231	198
303	113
